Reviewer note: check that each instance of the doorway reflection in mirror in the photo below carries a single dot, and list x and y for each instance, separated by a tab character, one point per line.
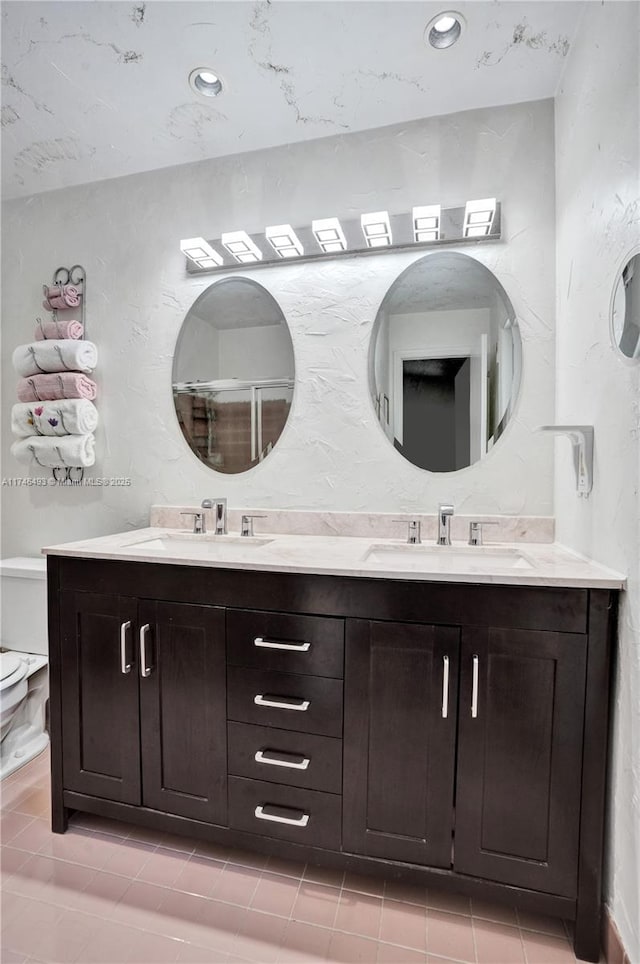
447	356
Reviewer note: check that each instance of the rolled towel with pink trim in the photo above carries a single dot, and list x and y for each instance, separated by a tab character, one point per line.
40	388
52	330
74	451
57	355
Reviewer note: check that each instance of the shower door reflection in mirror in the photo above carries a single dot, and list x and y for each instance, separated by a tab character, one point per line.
233	375
445	362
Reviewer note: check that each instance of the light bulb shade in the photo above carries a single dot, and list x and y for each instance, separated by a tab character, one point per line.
201	253
329	235
376	229
426	223
240	245
284	241
478	217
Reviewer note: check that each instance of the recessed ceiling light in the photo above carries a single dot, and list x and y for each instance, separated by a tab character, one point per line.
204	81
444	30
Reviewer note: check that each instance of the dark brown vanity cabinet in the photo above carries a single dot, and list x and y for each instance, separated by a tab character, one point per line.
520	745
497	802
143	701
400	741
450	734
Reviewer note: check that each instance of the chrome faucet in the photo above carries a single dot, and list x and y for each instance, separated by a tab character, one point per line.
445	512
219	507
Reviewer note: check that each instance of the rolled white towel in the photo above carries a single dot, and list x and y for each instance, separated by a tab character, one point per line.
68	416
52	453
55	355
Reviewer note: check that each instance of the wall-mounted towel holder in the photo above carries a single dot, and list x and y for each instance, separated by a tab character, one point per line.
581	438
77	277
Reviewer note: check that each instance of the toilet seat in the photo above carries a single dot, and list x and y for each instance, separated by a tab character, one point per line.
12	670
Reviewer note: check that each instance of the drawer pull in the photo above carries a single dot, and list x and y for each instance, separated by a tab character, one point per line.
282	702
300	821
263	643
125	665
280	760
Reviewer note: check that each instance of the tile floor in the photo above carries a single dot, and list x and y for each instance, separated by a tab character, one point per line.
106	893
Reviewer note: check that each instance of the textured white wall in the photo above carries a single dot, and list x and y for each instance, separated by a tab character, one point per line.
333	454
598	221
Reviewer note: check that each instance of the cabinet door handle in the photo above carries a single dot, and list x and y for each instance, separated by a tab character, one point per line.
445	687
300	821
145	671
282	702
125	667
264	643
474	688
301	763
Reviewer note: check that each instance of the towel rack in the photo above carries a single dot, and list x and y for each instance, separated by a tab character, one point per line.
76	276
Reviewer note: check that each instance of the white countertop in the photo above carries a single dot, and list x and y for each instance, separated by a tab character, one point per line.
514	564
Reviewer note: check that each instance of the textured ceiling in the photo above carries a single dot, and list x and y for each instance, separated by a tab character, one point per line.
92	90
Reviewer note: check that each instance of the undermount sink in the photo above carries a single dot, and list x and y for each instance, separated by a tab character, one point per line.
469	559
210	544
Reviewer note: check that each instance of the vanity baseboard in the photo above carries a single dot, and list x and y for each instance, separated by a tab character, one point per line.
411	661
530	900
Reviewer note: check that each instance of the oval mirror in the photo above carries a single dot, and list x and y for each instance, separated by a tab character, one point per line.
233	375
625	310
445	362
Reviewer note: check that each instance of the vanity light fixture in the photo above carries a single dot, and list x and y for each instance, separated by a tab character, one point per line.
478	217
444	29
368	234
376	229
205	81
201	253
329	235
240	245
284	240
426	223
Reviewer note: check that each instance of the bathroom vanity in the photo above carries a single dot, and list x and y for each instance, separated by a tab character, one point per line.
447	727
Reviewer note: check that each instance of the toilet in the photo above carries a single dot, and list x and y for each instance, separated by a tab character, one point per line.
24	684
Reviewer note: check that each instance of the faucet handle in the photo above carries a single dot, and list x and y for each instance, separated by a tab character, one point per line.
246	525
198	522
475	531
413	530
445	509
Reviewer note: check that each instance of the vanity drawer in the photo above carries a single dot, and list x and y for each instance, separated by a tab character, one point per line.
310	645
309	704
289	813
284	756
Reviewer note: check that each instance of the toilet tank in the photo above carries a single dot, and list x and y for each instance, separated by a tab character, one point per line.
23	617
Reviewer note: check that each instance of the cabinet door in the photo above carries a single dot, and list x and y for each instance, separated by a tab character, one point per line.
100	712
520	757
183	710
399	740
